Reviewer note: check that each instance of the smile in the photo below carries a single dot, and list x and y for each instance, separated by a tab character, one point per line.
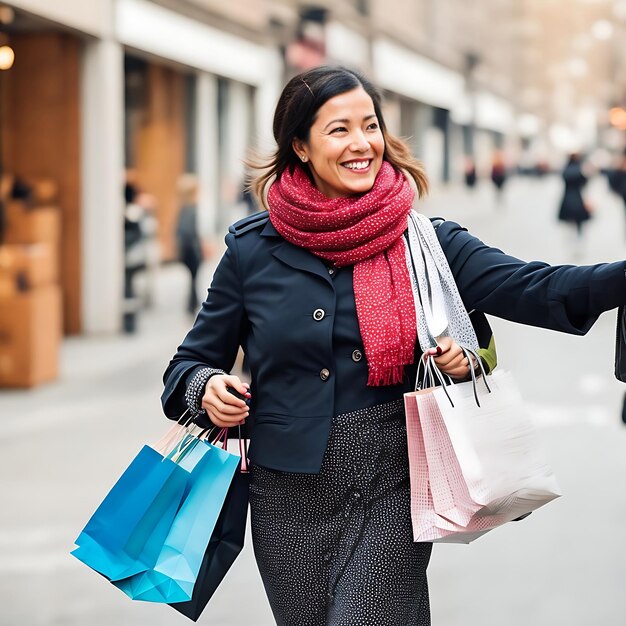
358	166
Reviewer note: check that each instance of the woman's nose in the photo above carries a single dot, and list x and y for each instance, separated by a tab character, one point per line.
359	143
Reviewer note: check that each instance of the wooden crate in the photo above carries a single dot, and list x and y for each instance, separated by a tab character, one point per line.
30	337
38	225
27	266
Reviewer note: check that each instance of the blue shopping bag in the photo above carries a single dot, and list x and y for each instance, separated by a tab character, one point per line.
126	533
174	574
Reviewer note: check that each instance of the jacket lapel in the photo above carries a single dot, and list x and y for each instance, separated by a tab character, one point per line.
294	256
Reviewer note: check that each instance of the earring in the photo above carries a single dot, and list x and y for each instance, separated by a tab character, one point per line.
303	157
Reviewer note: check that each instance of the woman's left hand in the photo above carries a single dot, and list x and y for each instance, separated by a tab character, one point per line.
450	359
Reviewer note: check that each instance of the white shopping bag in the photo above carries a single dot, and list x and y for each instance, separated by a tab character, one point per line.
497	446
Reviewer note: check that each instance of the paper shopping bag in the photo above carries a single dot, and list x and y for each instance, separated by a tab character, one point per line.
428	526
174	574
125	534
450	495
474	460
497	447
224	546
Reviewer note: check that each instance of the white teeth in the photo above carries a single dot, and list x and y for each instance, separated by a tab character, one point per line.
359	165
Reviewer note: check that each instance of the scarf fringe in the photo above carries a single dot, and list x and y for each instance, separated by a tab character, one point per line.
385	376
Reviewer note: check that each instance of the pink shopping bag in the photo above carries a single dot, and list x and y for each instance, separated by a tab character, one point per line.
428	525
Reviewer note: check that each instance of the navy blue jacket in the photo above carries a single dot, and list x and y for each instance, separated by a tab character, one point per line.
296	320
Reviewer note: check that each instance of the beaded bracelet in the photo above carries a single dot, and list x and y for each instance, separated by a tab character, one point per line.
196	388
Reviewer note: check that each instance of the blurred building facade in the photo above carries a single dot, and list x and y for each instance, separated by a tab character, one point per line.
158	88
571	72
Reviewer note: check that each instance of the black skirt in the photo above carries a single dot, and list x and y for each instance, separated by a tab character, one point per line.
337	547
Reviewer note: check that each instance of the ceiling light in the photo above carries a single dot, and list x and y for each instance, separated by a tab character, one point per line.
7	56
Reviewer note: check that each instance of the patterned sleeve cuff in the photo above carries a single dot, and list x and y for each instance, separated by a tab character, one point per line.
195	389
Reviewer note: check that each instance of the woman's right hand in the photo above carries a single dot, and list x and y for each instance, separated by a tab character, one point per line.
223	408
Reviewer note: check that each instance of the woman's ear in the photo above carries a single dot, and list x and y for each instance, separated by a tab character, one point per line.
299	148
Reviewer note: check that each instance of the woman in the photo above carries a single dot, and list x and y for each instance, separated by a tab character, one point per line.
318	294
498	173
573	208
187	238
617	179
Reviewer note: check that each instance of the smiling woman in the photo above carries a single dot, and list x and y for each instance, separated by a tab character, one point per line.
330	120
346	145
321	294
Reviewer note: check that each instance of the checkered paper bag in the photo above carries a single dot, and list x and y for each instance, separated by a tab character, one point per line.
475	461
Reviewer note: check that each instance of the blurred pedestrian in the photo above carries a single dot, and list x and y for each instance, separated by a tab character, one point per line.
141	248
498	174
152	248
318	292
617	179
574	210
134	254
188	240
469	170
542	168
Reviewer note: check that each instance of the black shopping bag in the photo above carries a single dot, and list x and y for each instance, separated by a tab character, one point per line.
225	544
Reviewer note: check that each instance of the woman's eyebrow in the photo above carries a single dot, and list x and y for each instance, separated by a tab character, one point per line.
346	121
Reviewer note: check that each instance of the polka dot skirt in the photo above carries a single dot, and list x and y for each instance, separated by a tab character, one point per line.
336	548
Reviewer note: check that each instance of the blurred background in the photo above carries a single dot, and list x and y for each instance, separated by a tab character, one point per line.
124	126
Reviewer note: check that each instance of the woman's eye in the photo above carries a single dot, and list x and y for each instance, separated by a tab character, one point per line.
373	126
341	129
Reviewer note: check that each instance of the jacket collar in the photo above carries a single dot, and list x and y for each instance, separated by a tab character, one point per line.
269	230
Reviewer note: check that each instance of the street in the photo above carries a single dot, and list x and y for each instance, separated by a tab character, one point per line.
63	445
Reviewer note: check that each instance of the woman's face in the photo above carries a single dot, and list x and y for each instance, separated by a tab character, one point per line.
345	147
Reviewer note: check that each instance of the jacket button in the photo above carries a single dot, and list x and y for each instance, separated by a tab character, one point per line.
331	270
318	315
357	355
324	374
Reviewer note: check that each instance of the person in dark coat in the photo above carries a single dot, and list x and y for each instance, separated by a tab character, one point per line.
498	173
617	179
187	238
469	172
573	209
305	288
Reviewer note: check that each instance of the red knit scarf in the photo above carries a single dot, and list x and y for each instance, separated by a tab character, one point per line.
364	231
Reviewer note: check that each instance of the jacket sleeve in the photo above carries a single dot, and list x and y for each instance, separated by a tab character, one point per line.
560	297
215	336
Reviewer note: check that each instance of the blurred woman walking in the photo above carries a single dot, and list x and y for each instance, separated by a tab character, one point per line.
573	208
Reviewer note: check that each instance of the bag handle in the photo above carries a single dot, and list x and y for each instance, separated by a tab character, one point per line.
243	451
431	371
430	374
183	426
222	437
469	353
190	439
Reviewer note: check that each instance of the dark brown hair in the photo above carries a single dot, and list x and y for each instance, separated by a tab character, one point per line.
295	113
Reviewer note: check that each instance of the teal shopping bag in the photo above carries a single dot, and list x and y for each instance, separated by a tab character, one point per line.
126	533
174	574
